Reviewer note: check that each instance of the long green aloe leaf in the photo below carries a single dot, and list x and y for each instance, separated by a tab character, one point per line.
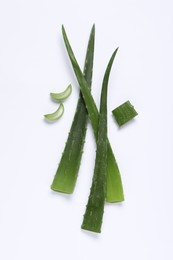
95	207
114	191
66	175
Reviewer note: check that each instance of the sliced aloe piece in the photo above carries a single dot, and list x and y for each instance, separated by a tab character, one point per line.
57	114
124	113
62	95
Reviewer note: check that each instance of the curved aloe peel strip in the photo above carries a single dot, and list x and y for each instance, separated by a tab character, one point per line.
95	208
62	95
57	114
66	175
114	191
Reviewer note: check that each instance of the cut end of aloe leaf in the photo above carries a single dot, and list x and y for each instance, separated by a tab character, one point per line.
109	200
89	229
55	115
124	113
61	189
62	95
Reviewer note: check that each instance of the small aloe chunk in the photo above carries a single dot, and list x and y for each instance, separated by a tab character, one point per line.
124	113
57	114
62	95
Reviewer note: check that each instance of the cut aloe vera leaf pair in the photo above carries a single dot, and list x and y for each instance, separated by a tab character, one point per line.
114	191
95	207
59	97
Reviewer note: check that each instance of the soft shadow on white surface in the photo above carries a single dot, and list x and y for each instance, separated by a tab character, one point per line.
49	122
91	234
61	195
117	204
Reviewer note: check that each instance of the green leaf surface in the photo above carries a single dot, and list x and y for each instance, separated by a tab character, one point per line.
114	191
67	172
95	208
124	113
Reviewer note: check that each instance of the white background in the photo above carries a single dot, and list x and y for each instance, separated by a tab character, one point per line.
35	222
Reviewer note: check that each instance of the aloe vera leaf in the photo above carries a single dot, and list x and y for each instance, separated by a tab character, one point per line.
114	191
62	95
95	207
57	114
124	113
67	172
